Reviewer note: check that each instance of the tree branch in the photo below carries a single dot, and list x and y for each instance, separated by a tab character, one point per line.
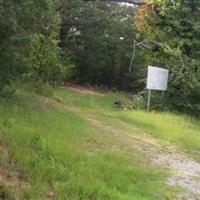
152	45
133	57
136	2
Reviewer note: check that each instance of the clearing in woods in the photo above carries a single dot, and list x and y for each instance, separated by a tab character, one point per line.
75	145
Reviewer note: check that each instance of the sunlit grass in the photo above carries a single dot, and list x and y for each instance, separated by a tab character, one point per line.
48	142
174	128
180	130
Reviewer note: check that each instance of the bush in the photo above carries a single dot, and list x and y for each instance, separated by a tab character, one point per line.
194	100
175	100
139	101
43	89
7	92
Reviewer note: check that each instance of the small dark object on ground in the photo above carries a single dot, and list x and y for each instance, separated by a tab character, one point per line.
117	104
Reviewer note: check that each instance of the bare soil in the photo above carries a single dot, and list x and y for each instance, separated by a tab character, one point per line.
82	89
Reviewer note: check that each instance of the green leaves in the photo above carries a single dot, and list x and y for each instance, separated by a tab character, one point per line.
177	36
99	39
29	40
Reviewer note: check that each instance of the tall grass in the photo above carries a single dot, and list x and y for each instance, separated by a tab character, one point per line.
177	129
44	140
180	130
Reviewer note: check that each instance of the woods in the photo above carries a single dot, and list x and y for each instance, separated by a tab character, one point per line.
103	43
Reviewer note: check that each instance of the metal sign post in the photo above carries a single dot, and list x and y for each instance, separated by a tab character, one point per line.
149	100
157	80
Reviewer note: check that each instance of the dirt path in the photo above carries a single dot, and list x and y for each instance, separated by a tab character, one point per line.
185	170
81	89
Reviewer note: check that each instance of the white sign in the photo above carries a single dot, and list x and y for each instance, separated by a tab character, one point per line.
157	78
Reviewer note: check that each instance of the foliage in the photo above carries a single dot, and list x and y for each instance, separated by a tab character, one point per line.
99	39
173	29
29	41
44	90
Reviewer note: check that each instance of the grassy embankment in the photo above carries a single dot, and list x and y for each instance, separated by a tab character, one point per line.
52	149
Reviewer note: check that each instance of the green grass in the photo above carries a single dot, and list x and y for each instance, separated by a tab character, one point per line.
180	130
60	155
177	129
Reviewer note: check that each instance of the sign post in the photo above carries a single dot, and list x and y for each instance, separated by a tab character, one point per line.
157	79
149	100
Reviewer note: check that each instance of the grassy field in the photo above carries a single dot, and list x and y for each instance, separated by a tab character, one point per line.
56	148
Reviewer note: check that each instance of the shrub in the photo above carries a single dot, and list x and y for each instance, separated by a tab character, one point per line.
7	92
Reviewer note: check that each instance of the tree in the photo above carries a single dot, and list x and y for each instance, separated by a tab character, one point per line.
99	39
29	40
8	27
173	30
